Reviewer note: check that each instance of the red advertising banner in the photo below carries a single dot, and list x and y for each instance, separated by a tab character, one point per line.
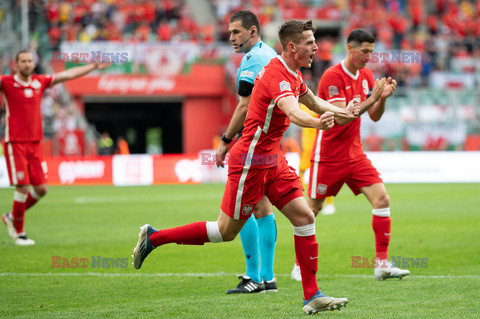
203	80
79	170
125	170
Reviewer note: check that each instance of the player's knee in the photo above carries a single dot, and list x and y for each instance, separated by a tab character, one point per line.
315	205
304	218
229	235
383	201
261	211
41	191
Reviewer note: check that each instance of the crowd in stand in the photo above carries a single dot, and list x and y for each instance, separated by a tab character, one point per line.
123	20
440	30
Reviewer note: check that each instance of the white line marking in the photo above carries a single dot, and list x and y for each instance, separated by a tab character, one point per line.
218	274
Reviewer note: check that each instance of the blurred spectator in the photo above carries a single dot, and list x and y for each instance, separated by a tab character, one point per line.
105	144
121	147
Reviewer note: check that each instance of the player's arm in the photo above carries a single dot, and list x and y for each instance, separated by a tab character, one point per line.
291	108
378	108
78	71
368	104
235	125
320	106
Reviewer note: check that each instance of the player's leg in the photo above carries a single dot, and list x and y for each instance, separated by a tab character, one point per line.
18	172
197	233
38	176
249	236
381	222
285	191
306	250
237	206
365	179
267	228
35	194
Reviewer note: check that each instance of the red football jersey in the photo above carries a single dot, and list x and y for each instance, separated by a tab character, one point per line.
265	124
341	143
23	107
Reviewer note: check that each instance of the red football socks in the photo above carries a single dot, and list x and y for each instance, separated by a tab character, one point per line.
306	250
190	234
381	227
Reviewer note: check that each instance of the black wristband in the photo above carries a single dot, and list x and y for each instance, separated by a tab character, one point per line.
226	140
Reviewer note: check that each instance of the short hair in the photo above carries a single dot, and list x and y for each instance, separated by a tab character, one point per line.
248	19
358	36
17	56
292	31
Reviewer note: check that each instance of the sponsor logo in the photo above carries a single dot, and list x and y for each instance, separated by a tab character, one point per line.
70	171
285	86
246	74
332	90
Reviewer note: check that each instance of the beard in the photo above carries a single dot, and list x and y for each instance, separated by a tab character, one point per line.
26	74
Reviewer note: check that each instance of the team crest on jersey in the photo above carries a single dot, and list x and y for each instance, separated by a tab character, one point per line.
36	85
20	175
28	92
322	189
285	86
247	209
332	90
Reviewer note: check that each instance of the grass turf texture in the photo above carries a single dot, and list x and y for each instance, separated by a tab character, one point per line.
436	221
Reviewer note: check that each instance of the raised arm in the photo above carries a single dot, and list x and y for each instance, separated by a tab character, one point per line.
78	71
378	108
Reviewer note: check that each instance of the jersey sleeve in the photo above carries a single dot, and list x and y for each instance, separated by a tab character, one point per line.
250	68
48	80
303	89
371	82
278	87
331	88
1	82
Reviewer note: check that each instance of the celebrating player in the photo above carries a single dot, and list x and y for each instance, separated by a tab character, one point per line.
23	134
257	166
260	231
338	156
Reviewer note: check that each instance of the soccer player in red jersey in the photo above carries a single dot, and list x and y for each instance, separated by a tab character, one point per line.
22	94
257	166
338	157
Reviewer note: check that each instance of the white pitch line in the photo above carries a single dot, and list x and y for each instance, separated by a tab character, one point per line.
219	274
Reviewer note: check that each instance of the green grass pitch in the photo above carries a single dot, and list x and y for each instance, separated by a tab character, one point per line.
435	221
